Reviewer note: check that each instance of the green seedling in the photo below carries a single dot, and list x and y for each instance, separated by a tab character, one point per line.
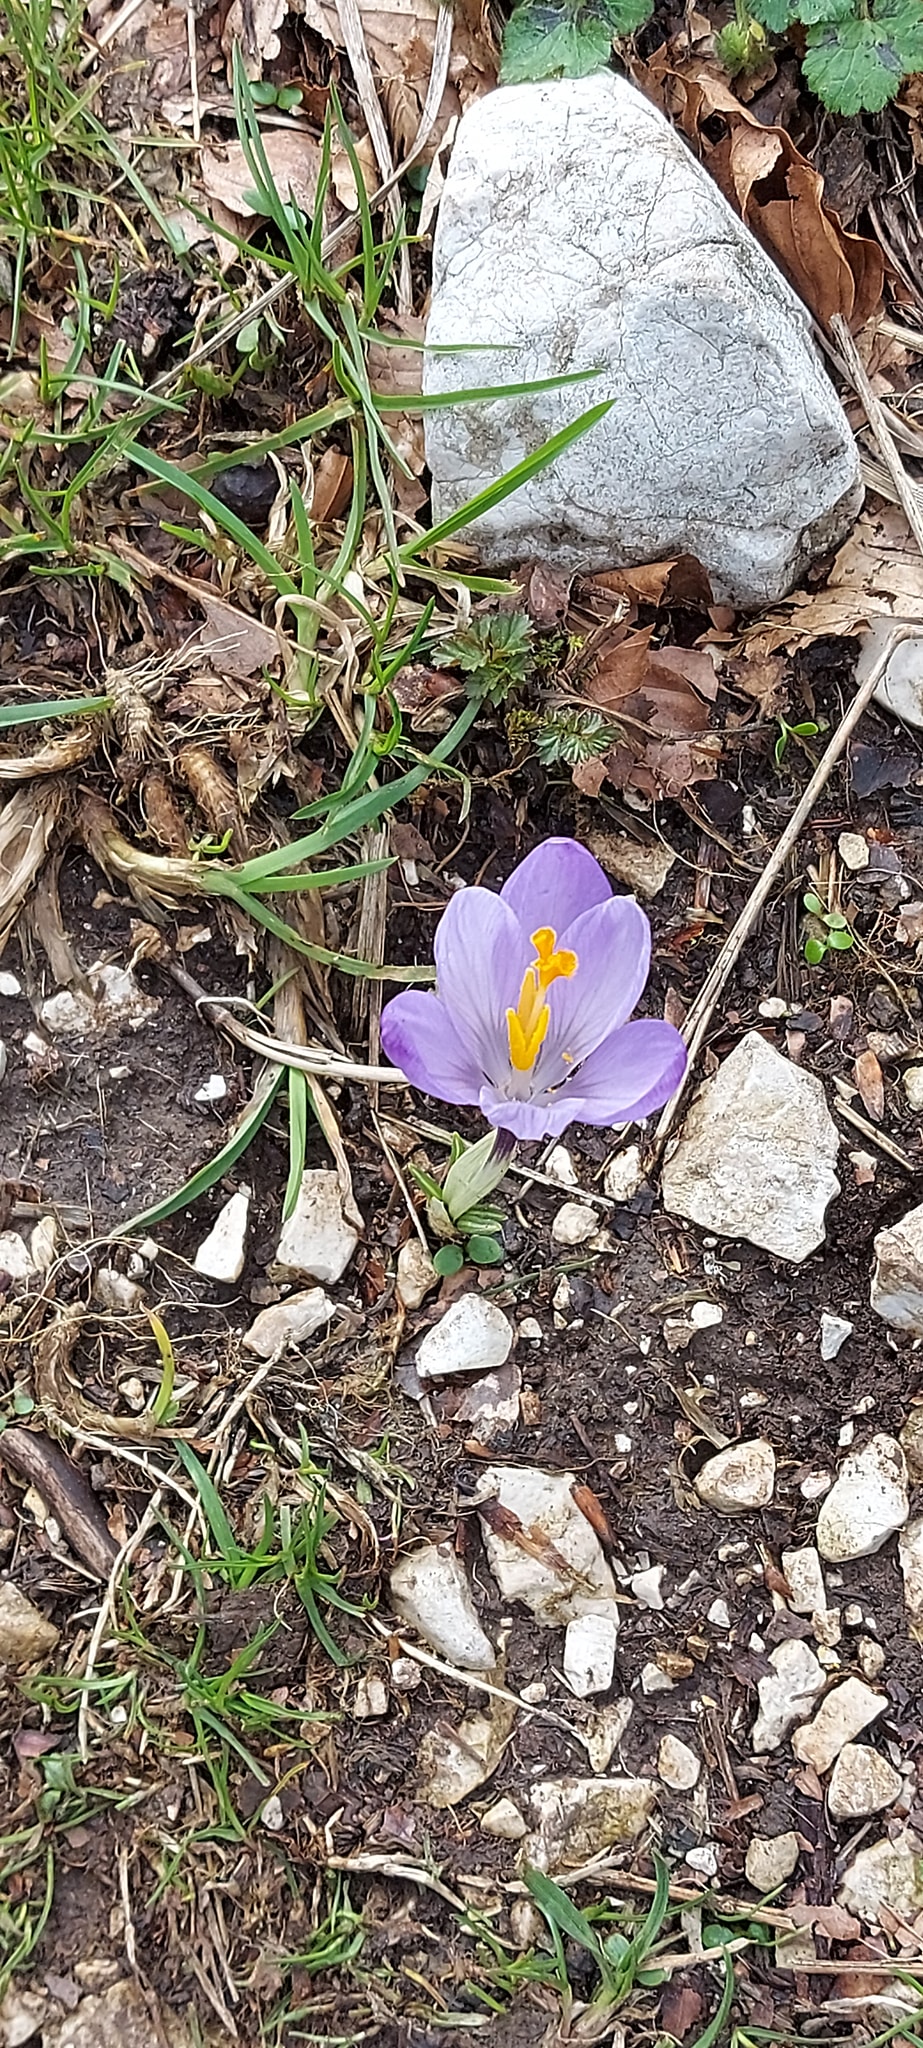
285	97
807	730
828	931
493	652
457	1206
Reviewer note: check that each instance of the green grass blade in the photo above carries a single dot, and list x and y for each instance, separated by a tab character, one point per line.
430	401
263	1098
213	1506
227	521
325	877
561	1912
522	473
714	2032
57	707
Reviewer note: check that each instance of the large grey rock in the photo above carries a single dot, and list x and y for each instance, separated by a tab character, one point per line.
577	231
867	1502
757	1153
897	1279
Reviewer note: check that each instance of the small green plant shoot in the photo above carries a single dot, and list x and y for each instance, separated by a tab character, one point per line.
827	931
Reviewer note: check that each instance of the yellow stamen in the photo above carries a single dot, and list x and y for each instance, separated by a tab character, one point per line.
527	1025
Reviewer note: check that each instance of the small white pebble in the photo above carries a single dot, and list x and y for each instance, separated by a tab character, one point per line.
775	1007
704	1859
273	1817
530	1330
655	1680
560	1167
852	1615
212	1090
846	1434
621	1443
705	1315
815	1484
853	848
534	1693
719	1614
405	1674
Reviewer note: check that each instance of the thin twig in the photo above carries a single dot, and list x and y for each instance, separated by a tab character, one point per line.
701	1011
875	413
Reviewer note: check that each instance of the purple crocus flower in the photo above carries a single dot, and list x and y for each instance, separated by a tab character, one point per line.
533	990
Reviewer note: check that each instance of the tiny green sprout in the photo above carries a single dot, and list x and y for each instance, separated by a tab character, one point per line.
807	730
828	931
494	653
286	97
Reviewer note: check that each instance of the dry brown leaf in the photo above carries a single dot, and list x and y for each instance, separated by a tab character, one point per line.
396	372
870	1082
661	687
775	190
294	159
235	643
400	36
764	677
254	25
681	580
878	573
333	482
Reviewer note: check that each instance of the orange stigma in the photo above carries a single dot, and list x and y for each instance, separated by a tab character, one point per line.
527	1025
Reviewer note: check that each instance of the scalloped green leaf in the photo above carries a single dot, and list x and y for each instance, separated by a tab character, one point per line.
857	65
565	38
776	15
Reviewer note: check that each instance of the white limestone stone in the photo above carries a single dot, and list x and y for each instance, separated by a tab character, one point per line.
738	1479
416	1274
589	1653
805	1577
505	1821
897	1279
889	1875
25	1635
844	1713
574	1223
430	1591
286	1324
900	690
866	1504
770	1860
473	1335
757	1153
910	1554
862	1782
834	1331
318	1240
787	1695
677	1764
576	1818
222	1253
577	231
624	1174
560	1570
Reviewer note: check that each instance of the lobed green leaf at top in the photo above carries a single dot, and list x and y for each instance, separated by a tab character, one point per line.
776	15
565	38
857	65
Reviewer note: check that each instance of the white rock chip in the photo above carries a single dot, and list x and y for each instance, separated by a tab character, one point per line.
15	1257
212	1090
574	1224
844	1713
900	690
589	1654
10	984
564	1572
754	470
504	1820
854	851
834	1331
222	1253
738	1479
623	1175
913	1087
371	1697
112	999
897	1279
318	1240
286	1324
866	1504
788	1695
862	1782
116	1294
910	1553
560	1167
653	1679
454	1762
887	1875
430	1591
416	1274
473	1335
576	1818
770	1860
647	1586
802	1569
603	1732
757	1153
25	1635
677	1764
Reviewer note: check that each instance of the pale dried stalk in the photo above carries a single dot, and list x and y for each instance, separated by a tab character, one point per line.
876	415
701	1011
27	823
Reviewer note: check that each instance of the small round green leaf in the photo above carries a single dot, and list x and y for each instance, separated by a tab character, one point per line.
814	950
449	1259
813	904
841	940
485	1251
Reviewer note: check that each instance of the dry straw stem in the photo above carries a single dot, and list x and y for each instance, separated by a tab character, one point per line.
701	1011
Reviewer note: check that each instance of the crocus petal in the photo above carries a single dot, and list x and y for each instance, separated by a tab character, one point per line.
420	1038
633	1072
481	956
613	948
554	884
544	1119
